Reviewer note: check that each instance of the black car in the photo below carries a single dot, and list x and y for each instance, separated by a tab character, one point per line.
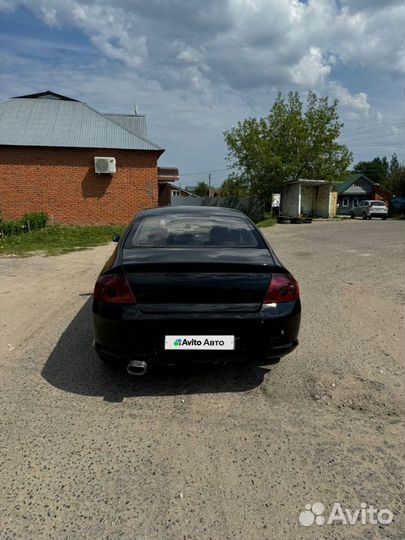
194	284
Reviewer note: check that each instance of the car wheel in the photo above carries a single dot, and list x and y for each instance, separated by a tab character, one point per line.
363	215
352	215
384	217
369	217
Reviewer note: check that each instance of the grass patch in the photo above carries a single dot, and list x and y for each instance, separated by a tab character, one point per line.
267	221
58	239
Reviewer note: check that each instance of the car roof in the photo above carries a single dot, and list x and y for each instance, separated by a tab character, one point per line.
192	210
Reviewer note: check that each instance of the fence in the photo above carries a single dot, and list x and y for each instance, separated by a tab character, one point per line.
397	208
253	208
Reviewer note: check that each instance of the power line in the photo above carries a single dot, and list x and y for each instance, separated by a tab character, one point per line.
369	144
370	135
367	137
375	127
193	173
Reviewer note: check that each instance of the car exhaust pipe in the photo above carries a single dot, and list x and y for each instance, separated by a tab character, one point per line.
137	367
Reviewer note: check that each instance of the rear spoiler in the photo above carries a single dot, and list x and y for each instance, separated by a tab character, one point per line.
204	267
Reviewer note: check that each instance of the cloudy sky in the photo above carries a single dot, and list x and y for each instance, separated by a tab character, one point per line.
196	67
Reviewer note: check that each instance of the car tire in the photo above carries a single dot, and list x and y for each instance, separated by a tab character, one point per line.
364	215
351	215
270	361
369	217
384	218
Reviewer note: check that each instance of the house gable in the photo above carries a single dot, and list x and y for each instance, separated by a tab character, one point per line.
355	184
46	95
361	186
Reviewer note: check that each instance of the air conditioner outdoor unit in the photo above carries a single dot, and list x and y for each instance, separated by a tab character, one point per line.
104	165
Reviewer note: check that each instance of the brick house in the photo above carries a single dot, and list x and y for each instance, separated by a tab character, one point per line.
169	191
48	146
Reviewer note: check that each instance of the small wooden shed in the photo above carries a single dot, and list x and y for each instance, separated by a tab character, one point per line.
308	198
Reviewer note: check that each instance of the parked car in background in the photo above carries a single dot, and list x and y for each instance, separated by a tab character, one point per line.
194	284
369	209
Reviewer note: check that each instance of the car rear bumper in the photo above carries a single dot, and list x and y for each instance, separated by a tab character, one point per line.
270	333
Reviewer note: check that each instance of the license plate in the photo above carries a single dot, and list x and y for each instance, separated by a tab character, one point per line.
199	343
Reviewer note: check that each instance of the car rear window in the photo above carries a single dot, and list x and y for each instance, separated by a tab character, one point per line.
377	203
193	231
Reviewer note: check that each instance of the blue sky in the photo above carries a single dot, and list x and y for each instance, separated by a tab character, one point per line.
196	67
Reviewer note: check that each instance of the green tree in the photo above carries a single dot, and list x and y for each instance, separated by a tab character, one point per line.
288	144
233	187
394	165
377	169
396	181
201	189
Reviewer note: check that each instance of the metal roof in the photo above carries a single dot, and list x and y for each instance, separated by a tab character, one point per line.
64	123
178	188
309	182
132	122
349	179
341	187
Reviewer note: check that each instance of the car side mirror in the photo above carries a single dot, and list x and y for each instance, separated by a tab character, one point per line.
116	238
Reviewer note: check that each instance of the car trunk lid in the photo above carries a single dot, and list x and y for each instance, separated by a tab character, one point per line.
198	280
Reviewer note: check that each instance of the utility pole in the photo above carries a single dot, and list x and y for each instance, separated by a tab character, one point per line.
209	185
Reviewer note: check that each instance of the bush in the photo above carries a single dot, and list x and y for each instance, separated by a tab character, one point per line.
14	226
35	220
29	222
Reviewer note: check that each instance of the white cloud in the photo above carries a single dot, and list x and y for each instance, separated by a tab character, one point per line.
373	38
312	69
355	102
204	64
240	43
7	5
49	15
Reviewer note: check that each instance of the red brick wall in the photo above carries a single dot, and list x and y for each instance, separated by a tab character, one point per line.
62	182
381	195
165	194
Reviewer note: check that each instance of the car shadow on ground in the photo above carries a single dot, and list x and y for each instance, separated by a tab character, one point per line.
73	366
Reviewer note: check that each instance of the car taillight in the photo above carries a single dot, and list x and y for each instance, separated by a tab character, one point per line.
113	288
282	288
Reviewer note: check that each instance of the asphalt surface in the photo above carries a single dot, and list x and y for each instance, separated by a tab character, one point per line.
208	452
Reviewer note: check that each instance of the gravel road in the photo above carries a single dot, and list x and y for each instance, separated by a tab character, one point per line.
207	452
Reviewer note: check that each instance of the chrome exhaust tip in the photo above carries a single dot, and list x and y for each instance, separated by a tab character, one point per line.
137	367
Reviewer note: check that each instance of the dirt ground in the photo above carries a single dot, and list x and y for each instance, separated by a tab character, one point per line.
207	452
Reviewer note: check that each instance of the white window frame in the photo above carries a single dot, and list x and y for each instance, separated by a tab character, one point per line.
345	202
